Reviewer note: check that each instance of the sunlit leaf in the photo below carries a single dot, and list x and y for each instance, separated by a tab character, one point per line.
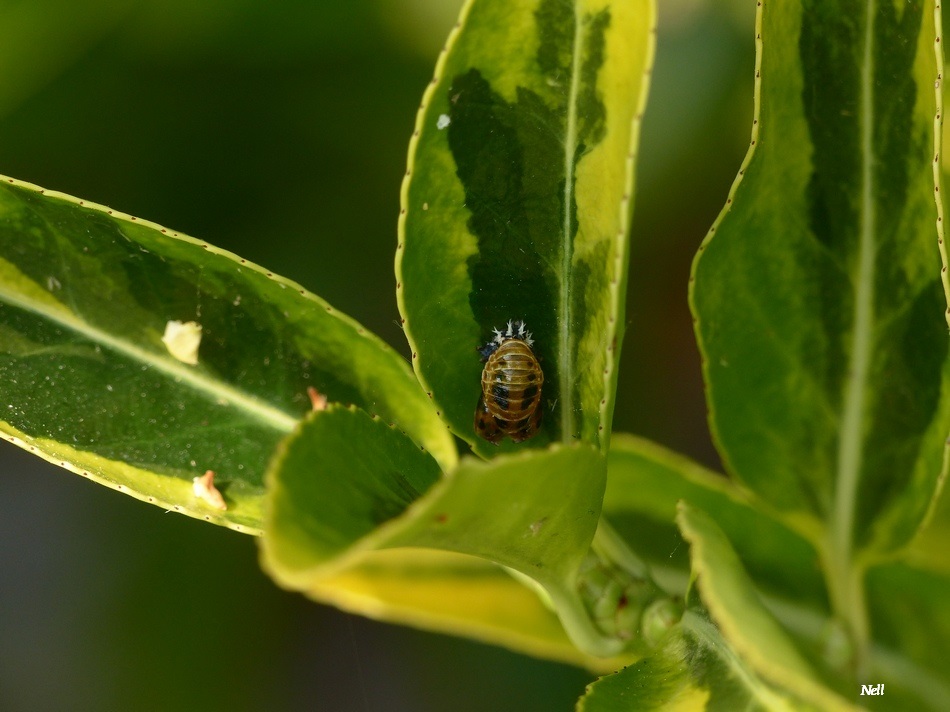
343	476
86	295
817	292
345	485
516	203
452	593
334	482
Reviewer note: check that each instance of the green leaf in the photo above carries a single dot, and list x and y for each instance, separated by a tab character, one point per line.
535	513
751	630
693	670
929	548
456	594
817	293
906	603
516	203
912	636
346	485
85	297
644	484
657	682
847	290
332	484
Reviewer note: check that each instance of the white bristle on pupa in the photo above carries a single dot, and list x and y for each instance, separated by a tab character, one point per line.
515	330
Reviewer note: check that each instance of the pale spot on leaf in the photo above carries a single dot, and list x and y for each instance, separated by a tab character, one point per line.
318	401
182	340
204	489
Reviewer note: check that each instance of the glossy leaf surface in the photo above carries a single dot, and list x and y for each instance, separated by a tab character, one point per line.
87	382
333	483
817	292
346	485
328	503
516	203
455	594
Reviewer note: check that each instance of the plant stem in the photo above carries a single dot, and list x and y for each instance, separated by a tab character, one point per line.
613	548
578	624
616	563
846	588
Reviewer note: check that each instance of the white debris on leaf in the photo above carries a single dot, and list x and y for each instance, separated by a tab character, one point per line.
204	489
443	121
182	340
318	401
535	527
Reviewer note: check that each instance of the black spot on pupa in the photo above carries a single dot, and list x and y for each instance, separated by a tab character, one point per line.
501	397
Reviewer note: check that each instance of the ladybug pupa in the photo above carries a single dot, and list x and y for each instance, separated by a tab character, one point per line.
510	402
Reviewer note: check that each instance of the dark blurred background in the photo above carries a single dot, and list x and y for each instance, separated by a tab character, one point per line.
279	131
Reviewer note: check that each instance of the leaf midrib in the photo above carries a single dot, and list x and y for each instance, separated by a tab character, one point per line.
565	360
850	460
213	389
850	455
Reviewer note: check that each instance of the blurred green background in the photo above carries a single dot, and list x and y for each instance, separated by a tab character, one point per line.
279	131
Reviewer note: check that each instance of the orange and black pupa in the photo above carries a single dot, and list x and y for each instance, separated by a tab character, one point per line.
510	402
